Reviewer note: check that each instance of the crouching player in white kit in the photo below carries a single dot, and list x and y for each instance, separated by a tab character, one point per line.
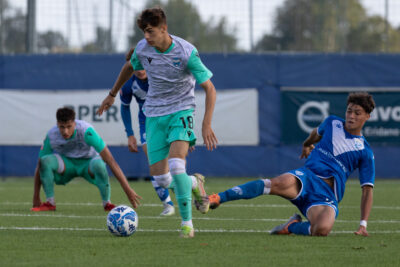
318	187
72	149
173	66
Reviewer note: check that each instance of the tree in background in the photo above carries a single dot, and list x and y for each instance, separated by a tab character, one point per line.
100	44
184	21
328	26
52	42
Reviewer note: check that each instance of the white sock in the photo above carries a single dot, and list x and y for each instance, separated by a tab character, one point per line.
194	181
267	186
51	200
105	202
168	199
187	223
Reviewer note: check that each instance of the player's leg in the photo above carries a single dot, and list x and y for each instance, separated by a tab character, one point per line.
183	184
322	219
95	172
54	169
162	192
285	185
316	200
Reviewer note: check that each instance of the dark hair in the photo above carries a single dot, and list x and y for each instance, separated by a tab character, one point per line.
152	16
65	114
363	99
129	54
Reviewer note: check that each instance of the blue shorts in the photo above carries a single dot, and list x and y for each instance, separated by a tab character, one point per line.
314	192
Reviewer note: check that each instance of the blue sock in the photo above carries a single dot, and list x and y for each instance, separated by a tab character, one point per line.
245	191
162	193
300	228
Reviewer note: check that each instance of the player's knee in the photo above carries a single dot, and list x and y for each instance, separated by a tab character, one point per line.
176	166
98	167
320	229
48	162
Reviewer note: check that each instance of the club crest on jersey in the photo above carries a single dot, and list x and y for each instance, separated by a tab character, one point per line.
176	61
358	144
149	59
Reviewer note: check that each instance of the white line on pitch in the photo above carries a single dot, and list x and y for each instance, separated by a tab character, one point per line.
225	205
175	217
177	230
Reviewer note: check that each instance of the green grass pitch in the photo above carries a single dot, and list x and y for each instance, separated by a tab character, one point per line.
235	234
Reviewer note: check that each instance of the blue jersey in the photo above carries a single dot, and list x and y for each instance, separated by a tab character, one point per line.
339	153
136	88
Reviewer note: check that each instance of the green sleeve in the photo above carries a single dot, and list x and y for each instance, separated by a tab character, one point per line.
46	147
197	68
136	62
92	138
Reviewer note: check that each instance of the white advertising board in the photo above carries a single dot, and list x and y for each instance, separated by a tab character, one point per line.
27	115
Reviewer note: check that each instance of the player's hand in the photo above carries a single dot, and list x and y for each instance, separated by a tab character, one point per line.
210	140
105	105
133	197
306	151
132	144
362	231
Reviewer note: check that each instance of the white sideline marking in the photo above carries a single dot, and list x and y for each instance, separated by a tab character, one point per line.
224	205
177	230
175	217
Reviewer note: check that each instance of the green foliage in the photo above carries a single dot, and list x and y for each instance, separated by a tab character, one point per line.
328	26
184	21
236	234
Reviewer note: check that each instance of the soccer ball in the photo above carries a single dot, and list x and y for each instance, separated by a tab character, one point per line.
122	221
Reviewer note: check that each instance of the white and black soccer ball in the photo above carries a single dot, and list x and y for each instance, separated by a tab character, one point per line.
122	221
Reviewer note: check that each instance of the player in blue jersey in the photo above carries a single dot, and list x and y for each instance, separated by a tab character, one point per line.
73	148
318	187
137	87
173	66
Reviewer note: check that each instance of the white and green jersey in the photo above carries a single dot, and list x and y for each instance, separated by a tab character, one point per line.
84	143
171	75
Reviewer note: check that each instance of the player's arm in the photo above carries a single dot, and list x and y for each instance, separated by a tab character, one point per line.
308	144
202	76
366	205
124	75
209	137
367	180
93	139
36	187
126	98
116	170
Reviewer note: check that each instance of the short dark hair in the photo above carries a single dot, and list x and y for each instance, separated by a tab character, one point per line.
152	16
363	99
65	114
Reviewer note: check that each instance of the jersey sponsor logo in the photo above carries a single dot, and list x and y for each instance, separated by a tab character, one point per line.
176	61
341	144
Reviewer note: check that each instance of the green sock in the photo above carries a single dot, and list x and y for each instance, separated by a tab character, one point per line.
183	192
99	170
48	166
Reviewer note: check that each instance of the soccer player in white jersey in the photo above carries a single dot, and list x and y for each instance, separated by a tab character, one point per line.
318	187
173	66
73	148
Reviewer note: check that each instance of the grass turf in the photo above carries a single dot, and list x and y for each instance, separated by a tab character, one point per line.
236	234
